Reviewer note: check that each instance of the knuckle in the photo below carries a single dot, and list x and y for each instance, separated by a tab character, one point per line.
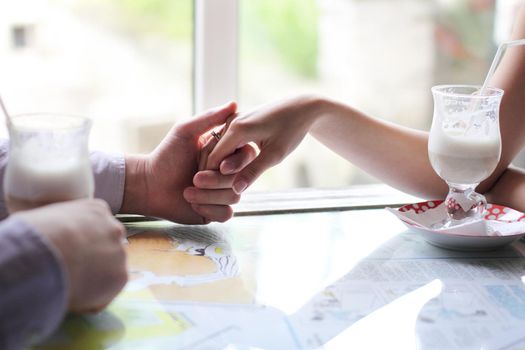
234	125
118	230
199	196
227	215
235	198
239	126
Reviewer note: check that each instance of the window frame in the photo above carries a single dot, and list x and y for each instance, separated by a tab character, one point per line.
215	53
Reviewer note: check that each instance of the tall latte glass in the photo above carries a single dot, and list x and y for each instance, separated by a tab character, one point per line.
48	160
464	145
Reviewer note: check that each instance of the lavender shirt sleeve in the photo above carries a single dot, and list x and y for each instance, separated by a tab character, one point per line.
110	174
32	285
33	288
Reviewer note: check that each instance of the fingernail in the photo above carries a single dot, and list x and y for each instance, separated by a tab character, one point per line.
196	179
240	186
227	168
189	194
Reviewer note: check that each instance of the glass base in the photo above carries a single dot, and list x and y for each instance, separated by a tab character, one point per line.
462	204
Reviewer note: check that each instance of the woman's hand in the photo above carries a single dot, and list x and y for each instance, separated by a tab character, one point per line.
276	129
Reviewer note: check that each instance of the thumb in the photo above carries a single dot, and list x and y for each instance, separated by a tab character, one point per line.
209	119
251	172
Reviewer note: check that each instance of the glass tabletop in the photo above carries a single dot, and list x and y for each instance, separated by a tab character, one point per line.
327	280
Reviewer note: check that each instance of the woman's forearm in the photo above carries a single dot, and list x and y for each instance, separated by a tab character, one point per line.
394	154
509	190
510	78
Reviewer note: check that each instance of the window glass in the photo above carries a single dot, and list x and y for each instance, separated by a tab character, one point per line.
127	64
380	56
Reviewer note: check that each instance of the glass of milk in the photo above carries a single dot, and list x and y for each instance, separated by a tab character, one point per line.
48	160
464	145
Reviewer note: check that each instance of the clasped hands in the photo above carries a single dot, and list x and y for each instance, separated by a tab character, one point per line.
192	178
174	182
213	192
222	170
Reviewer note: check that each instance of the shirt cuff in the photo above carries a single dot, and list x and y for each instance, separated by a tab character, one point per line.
110	174
32	284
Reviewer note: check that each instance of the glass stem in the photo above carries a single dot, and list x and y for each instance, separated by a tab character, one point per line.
464	203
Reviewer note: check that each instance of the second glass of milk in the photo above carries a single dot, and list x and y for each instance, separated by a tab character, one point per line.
48	160
464	145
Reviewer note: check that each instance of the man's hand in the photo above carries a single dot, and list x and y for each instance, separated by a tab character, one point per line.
89	240
156	183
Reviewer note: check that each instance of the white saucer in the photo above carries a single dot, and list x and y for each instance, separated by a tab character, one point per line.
500	226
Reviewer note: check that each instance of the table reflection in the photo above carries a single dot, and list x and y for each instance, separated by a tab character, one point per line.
334	280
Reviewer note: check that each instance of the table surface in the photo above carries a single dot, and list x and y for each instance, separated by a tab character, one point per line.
334	279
